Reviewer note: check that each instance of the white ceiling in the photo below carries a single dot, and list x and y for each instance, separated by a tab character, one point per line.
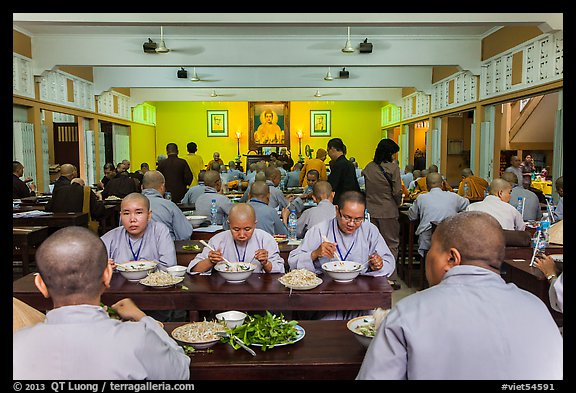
272	56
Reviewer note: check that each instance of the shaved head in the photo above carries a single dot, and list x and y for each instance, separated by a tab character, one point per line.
71	262
476	235
433	180
467	172
78	180
211	177
260	176
510	177
241	212
322	190
153	179
498	185
135	196
67	170
259	190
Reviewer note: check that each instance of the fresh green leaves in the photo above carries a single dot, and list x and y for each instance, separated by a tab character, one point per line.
111	312
191	247
266	330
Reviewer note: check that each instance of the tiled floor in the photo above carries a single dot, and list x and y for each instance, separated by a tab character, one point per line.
402	292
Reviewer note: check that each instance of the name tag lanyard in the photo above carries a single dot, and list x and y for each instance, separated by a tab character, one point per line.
338	248
137	255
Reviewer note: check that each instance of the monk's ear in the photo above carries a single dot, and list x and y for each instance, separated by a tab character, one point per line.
455	258
41	285
107	275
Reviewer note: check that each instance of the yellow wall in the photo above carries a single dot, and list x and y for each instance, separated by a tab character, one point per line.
142	146
357	123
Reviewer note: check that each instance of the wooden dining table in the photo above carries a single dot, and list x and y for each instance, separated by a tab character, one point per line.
261	291
53	220
519	272
25	240
185	251
328	351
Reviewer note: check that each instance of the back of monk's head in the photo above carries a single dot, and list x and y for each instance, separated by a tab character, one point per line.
71	262
322	190
433	180
498	185
476	235
211	178
510	177
153	179
467	172
259	190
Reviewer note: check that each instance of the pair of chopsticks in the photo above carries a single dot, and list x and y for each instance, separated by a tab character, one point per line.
207	245
335	254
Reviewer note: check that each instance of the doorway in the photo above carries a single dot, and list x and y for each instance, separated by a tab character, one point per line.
66	148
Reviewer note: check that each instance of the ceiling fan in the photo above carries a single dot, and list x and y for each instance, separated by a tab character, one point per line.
153	47
196	78
318	94
213	94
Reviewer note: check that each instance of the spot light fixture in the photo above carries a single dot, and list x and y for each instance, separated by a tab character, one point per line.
328	76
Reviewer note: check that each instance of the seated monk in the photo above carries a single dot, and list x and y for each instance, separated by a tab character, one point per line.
476	185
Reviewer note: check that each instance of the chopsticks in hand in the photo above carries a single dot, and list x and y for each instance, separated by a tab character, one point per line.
209	247
335	254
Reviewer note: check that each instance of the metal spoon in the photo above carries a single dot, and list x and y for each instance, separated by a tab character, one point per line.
240	342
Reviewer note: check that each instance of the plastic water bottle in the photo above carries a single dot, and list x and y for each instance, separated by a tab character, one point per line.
213	211
366	215
168	195
466	189
545	234
520	206
292	223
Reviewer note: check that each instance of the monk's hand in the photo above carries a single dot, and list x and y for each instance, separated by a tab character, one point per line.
215	257
128	310
112	263
326	249
375	262
262	256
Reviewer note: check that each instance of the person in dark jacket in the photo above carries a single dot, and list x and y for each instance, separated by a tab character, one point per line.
19	187
70	198
176	171
67	173
121	185
342	172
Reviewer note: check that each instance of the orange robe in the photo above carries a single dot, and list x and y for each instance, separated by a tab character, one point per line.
313	163
422	187
476	187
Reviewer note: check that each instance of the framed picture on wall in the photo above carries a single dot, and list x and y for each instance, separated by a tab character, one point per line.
217	123
320	123
269	124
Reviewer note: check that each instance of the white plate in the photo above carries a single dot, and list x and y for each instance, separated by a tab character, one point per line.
177	280
303	287
301	334
558	258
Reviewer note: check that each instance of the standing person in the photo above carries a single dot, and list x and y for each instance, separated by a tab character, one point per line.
384	195
243	242
286	157
126	165
176	172
434	205
78	339
470	324
20	188
195	162
497	204
342	176
528	166
316	164
163	210
515	168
